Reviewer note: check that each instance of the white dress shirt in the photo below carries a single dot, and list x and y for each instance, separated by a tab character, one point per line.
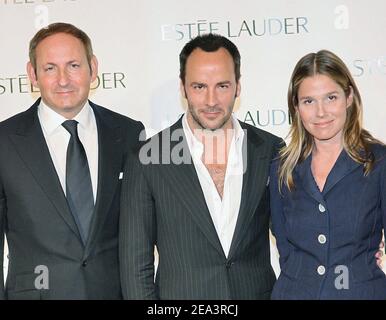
57	138
224	212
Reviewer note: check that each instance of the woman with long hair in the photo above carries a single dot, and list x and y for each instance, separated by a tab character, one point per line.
328	189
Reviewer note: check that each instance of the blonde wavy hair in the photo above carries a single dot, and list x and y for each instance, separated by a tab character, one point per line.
356	140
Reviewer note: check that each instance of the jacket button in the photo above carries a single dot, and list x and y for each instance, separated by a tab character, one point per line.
321	208
84	263
321	270
229	264
322	239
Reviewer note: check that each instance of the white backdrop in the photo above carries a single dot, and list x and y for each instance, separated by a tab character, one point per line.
137	43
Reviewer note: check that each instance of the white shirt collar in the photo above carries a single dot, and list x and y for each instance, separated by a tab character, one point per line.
51	120
195	144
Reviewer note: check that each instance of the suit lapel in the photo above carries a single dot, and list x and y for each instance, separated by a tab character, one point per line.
185	183
303	174
30	144
256	162
109	166
342	167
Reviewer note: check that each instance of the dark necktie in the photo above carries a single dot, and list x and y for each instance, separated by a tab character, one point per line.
78	181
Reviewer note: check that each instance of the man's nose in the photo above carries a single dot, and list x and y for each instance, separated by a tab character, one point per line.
211	97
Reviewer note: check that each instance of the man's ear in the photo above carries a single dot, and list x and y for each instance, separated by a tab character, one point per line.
94	68
238	89
32	74
182	89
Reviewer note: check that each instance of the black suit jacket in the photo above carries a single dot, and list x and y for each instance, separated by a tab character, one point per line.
163	205
37	221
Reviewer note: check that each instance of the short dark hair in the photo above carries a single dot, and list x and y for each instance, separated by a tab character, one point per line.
59	27
209	42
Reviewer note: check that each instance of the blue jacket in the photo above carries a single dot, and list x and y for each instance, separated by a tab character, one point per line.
327	240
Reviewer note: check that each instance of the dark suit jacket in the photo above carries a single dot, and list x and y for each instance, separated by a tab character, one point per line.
350	213
163	205
37	221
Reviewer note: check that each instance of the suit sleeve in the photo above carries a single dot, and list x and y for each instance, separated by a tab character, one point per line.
278	222
137	234
3	210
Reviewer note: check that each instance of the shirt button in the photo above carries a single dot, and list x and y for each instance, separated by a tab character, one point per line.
322	239
321	208
321	270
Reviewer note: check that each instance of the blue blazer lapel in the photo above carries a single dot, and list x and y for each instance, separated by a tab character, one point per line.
30	143
342	167
303	176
